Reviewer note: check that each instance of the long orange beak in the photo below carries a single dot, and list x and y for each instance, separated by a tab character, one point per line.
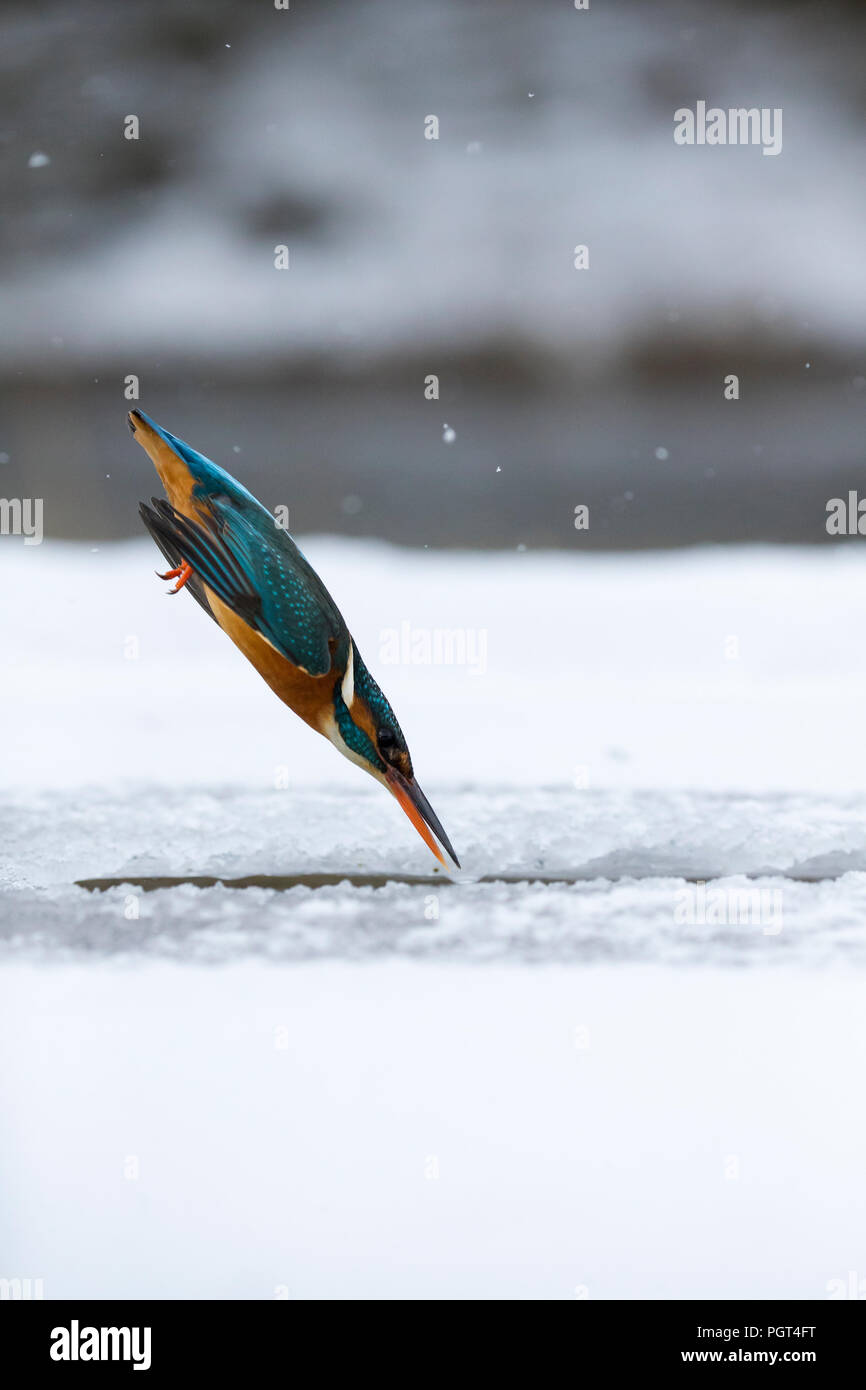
421	814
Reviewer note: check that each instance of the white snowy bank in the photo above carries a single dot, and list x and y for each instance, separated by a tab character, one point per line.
636	721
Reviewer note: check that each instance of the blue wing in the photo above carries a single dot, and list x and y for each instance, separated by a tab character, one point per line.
239	552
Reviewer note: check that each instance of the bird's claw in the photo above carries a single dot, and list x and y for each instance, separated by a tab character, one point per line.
181	574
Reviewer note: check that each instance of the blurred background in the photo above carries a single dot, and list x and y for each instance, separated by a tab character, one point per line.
454	257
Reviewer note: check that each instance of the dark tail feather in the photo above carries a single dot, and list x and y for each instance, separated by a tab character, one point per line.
211	560
164	540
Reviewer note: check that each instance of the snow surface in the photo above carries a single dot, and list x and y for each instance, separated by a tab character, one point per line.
615	666
631	721
604	1132
286	1066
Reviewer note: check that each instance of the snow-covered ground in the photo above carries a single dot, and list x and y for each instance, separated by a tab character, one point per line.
630	1083
432	1131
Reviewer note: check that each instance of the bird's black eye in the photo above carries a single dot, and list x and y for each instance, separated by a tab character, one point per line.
387	739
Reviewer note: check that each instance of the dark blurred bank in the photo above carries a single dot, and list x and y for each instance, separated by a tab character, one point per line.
412	257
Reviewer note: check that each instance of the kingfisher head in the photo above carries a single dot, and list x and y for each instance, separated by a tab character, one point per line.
364	728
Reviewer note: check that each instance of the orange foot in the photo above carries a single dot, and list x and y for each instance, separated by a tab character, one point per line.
181	574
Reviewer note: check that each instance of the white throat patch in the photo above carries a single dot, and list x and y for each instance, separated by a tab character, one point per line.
347	688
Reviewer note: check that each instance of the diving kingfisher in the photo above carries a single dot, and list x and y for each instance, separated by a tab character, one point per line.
250	577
